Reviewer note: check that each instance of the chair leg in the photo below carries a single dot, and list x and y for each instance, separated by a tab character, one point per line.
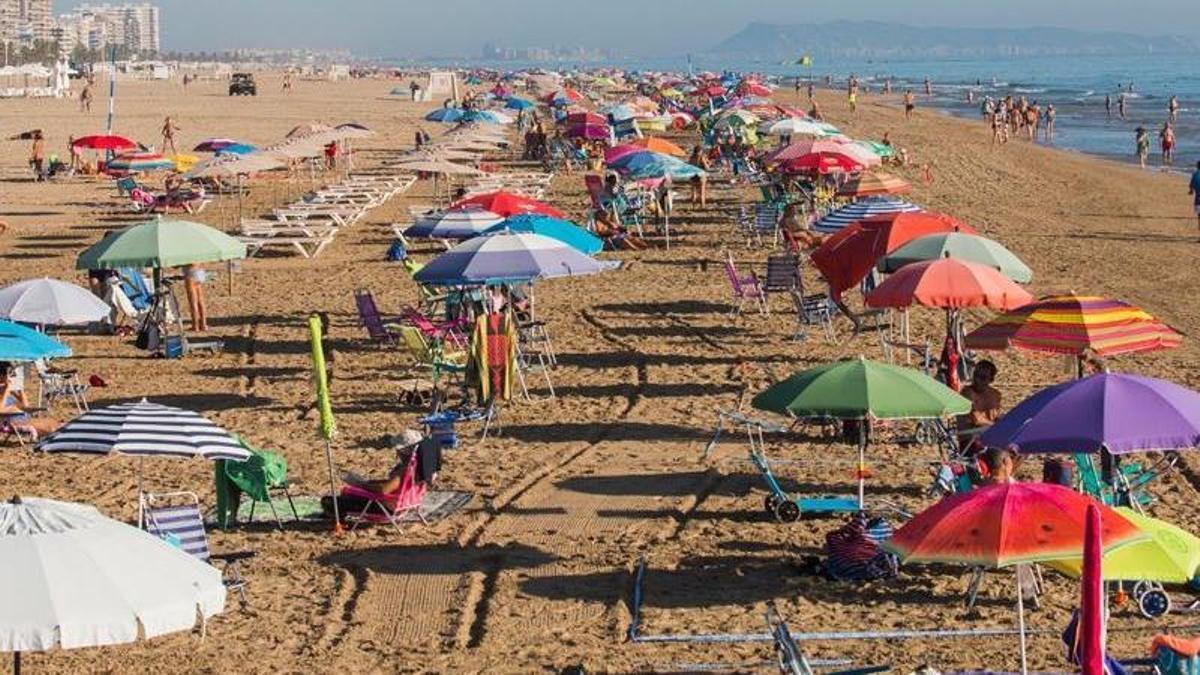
288	493
278	522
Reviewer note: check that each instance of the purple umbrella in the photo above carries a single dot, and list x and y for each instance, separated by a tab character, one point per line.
1113	411
592	132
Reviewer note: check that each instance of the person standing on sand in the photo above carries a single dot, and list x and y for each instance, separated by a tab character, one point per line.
1194	191
910	102
194	277
287	83
1142	140
1166	138
1050	115
168	135
812	90
1173	108
37	156
85	98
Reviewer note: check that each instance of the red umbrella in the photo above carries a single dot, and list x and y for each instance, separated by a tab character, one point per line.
753	89
586	118
950	284
846	257
805	146
104	142
507	204
821	163
711	91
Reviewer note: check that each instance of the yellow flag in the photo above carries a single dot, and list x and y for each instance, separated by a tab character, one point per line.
806	61
327	427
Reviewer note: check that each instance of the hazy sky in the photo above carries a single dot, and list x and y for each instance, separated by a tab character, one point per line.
639	27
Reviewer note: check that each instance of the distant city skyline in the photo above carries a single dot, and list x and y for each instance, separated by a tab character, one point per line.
459	28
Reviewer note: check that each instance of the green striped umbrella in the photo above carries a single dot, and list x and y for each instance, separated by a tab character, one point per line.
160	243
960	246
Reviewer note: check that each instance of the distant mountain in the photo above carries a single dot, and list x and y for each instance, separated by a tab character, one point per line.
877	39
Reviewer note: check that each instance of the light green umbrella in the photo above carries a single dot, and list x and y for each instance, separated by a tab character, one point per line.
861	389
1171	554
161	243
883	150
960	246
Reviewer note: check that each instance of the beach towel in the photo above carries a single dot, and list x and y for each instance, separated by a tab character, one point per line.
494	356
854	553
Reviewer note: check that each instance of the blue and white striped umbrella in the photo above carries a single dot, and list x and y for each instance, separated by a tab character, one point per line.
862	209
462	224
507	257
146	429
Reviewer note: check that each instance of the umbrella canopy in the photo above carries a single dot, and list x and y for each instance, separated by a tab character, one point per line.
237	149
446	115
959	246
434	164
146	429
860	388
614	154
1114	411
660	145
18	343
515	103
232	166
308	129
950	284
506	258
1171	554
74	578
808	146
587	118
653	165
215	144
874	184
104	142
1007	524
845	258
863	209
592	132
462	224
50	302
1076	324
506	204
140	161
161	243
565	231
797	126
883	150
821	163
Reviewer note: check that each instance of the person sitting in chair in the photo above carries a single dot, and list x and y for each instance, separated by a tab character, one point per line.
408	442
14	406
985	399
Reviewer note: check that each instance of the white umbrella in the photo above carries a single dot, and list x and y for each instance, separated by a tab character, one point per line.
438	166
798	126
50	302
74	578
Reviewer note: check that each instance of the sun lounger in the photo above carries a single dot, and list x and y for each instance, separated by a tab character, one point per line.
175	517
307	239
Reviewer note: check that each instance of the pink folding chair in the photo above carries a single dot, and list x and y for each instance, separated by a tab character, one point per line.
388	508
744	288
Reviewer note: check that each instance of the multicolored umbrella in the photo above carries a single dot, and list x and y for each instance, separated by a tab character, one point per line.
864	209
874	184
134	162
237	149
506	204
18	343
797	126
806	146
556	228
585	118
1075	324
1171	554
507	258
959	246
654	165
845	258
949	284
461	224
1117	412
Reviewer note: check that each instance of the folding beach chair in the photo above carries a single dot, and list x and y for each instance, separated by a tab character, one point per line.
744	288
10	430
868	321
783	276
378	330
175	517
389	508
60	385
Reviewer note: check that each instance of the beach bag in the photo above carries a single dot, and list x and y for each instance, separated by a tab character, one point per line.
396	252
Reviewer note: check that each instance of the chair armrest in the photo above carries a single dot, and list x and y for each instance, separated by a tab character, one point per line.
233	557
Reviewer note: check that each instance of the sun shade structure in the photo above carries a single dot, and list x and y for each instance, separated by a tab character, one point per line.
556	228
1076	325
874	184
959	246
104	142
144	429
1171	554
505	258
18	343
949	284
462	224
134	162
507	204
50	302
74	578
863	209
161	243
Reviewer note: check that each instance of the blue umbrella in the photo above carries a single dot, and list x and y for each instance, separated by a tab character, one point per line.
655	165
449	115
621	112
515	103
237	149
507	258
18	343
563	230
480	116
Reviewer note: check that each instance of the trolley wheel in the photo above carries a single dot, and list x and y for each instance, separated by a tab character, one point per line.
1141	588
787	511
770	502
1154	603
924	433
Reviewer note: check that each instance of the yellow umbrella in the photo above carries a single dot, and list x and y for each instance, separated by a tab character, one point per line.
1170	555
184	162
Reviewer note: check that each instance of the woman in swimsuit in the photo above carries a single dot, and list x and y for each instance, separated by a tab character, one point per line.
14	407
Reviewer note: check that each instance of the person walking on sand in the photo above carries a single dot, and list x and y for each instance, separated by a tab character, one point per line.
287	83
1050	115
1194	191
85	98
812	90
1173	108
1142	140
1166	137
168	135
910	102
37	157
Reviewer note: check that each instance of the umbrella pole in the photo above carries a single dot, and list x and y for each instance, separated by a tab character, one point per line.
337	518
862	463
141	493
1021	625
16	663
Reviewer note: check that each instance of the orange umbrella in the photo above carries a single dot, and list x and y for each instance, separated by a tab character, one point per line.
660	145
950	284
875	184
846	257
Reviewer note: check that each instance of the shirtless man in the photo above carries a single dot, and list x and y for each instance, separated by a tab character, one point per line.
910	102
168	135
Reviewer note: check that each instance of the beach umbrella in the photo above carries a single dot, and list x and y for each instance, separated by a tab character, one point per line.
18	343
50	302
873	184
798	126
864	209
821	163
587	118
621	112
883	150
1075	325
1008	524
515	103
1092	605
438	165
488	116
507	258
861	389
1114	412
104	142
215	144
445	115
506	204
959	246
736	119
948	283
614	154
847	257
136	162
74	578
556	228
237	149
462	224
159	243
308	129
654	165
563	96
751	88
591	132
1170	554
350	130
808	146
660	145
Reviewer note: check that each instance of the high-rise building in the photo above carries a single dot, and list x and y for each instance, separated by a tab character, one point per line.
26	21
133	27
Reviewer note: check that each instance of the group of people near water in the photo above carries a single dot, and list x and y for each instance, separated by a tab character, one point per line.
1010	117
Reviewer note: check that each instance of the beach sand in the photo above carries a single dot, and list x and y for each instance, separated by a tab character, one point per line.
536	572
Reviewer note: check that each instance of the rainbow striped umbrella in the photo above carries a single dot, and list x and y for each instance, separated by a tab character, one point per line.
141	161
1076	324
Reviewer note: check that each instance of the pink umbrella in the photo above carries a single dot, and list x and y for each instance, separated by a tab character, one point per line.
1091	604
592	132
618	151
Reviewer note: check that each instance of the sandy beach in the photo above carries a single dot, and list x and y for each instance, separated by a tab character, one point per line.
536	572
